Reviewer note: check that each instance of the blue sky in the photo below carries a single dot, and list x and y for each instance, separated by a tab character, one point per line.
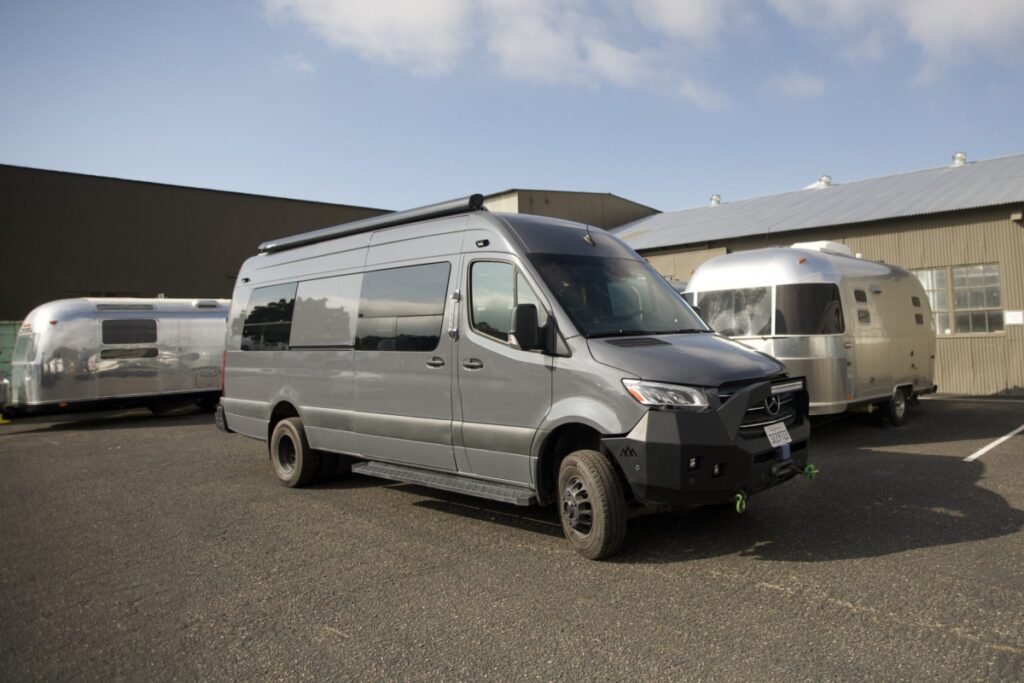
403	102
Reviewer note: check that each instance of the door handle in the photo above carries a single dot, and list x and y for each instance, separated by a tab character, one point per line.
847	345
435	362
472	364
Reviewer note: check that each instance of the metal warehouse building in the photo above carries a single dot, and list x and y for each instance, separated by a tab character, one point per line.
66	235
960	228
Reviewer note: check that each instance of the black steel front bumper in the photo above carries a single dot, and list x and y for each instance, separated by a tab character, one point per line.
688	459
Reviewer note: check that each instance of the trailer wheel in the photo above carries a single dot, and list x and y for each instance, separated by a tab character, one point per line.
592	505
896	408
295	463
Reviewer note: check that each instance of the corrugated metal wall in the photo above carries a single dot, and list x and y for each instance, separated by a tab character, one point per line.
966	364
599	210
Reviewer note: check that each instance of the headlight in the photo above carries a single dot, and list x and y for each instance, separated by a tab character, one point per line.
671	395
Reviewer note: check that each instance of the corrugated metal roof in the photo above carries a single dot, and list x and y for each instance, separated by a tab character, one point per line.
982	183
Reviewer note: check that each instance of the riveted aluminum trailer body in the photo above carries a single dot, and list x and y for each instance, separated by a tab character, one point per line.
857	330
76	354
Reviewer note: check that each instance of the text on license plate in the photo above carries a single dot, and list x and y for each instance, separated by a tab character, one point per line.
777	434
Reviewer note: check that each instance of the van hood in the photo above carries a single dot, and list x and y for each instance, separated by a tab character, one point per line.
702	359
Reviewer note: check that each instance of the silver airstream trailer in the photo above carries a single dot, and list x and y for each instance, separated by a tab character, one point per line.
860	331
76	354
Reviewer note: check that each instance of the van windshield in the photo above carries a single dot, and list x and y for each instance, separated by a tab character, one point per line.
610	297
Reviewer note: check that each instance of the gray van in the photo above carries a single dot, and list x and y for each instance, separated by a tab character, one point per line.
512	357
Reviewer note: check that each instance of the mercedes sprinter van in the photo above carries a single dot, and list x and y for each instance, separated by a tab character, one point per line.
512	357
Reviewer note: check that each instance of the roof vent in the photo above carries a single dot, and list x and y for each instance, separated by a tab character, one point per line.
959	159
716	199
822	181
825	247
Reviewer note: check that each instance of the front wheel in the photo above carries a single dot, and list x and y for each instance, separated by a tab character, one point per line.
592	505
896	408
295	463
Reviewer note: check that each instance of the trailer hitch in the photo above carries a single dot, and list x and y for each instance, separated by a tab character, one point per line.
741	502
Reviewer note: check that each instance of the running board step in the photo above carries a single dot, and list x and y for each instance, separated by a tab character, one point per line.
506	493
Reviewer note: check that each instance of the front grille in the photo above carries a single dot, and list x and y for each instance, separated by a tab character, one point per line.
761	414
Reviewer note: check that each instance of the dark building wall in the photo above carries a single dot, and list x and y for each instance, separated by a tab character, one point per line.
65	235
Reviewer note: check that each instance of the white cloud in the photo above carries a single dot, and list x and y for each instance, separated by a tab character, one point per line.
298	63
426	37
948	32
552	42
697	22
796	84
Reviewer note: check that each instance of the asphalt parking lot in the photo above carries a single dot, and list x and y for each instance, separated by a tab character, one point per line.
143	548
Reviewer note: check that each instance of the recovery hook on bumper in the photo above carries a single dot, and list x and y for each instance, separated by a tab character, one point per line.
741	502
811	471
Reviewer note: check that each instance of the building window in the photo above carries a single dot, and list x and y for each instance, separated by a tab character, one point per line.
964	299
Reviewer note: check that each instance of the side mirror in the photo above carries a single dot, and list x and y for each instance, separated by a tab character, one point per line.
525	332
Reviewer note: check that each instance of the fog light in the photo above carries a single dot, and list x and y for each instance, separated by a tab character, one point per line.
717	470
694	464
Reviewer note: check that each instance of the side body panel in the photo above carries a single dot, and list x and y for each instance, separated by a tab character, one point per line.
505	393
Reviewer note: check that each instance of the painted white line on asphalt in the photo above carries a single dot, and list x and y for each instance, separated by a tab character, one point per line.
982	451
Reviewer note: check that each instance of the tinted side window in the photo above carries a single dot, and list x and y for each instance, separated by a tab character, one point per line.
860	296
496	289
493	296
268	321
129	331
325	312
402	309
808	309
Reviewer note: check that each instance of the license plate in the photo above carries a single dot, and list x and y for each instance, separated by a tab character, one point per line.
777	434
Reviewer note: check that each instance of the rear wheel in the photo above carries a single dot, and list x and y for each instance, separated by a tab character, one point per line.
896	408
592	505
295	463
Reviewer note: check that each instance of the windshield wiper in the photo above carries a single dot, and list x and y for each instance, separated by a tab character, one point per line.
619	333
638	333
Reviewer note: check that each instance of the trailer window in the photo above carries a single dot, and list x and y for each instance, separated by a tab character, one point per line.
808	309
402	309
738	312
24	348
268	320
860	296
325	312
129	331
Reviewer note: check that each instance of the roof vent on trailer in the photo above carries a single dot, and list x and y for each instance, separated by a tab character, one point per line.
959	159
825	247
716	199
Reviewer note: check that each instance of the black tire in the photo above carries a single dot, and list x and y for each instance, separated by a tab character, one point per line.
294	462
896	408
591	504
